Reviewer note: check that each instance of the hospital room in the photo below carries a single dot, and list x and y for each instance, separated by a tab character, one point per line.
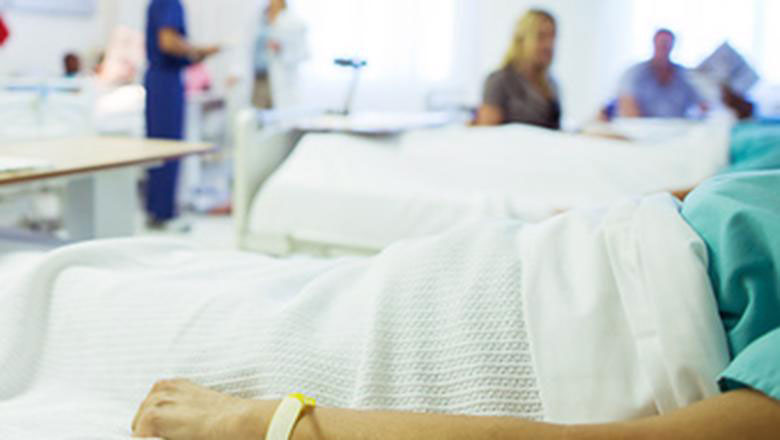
401	219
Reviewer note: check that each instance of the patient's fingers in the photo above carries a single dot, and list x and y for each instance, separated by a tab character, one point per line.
154	395
146	423
138	414
181	410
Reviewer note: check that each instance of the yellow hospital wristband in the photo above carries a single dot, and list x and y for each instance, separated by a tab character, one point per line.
286	416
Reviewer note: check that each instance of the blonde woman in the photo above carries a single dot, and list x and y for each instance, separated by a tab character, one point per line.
523	91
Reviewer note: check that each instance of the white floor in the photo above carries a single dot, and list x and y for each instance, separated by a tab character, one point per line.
20	249
217	231
212	231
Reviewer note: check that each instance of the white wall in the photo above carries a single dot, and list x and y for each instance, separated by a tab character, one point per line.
415	51
593	51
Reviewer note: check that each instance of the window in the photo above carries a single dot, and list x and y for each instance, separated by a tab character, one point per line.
409	46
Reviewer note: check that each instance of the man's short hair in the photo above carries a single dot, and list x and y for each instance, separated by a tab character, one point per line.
664	31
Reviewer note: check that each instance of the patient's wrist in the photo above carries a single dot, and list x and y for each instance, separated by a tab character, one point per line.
253	421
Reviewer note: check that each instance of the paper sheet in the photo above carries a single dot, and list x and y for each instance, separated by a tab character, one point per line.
727	66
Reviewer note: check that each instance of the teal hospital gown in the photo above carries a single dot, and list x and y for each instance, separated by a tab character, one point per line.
738	216
754	146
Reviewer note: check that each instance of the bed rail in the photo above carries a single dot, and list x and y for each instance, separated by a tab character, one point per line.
263	142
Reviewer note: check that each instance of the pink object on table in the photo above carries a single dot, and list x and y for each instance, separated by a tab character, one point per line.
197	79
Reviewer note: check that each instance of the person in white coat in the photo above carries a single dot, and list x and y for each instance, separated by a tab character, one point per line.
288	49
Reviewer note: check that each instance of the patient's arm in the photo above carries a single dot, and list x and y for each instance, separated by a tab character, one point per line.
682	193
628	107
181	410
490	115
745	415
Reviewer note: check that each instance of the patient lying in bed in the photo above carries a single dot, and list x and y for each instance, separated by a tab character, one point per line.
592	316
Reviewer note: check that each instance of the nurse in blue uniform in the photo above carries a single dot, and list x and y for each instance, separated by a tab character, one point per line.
168	54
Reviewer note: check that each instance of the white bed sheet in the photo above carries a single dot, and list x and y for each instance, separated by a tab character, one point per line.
621	296
14	263
83	337
363	193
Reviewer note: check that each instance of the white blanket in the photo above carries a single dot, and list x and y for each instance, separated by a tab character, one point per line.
622	313
364	194
434	325
587	317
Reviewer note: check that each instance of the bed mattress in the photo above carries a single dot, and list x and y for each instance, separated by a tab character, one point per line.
355	193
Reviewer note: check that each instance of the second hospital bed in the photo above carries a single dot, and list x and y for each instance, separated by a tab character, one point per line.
332	194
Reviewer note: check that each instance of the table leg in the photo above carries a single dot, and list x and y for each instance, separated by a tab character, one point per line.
102	205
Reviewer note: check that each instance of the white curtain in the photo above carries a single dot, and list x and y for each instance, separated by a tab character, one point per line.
412	48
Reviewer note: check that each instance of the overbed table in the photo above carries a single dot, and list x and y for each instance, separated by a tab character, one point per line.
101	175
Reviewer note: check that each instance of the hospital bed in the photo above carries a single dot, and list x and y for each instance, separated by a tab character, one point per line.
120	111
57	109
185	311
35	108
336	193
40	108
48	109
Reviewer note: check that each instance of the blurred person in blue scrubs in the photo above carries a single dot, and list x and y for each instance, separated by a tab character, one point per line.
658	88
168	53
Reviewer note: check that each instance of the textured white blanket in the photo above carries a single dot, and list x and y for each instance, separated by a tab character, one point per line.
587	317
432	325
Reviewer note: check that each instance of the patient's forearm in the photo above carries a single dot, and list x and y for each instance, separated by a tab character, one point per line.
742	414
326	424
179	410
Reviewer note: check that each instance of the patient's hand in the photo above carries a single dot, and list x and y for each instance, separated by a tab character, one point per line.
179	409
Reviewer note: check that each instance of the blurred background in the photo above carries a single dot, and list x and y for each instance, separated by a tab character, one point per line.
419	56
419	48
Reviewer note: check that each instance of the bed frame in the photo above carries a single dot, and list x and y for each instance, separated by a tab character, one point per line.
42	109
33	110
264	140
262	145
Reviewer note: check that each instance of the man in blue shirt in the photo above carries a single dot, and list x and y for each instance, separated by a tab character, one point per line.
658	88
168	53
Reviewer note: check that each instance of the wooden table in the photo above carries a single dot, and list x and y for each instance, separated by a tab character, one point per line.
101	174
